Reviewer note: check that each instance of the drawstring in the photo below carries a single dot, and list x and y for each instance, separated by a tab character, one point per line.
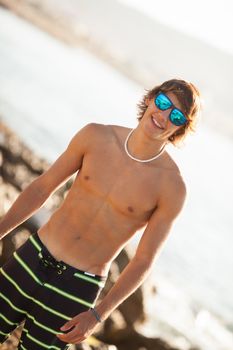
49	261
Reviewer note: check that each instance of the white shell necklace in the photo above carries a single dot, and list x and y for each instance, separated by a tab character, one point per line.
140	160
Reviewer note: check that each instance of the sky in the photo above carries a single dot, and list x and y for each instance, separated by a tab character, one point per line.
208	20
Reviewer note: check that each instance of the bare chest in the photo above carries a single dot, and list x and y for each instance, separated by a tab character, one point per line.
130	189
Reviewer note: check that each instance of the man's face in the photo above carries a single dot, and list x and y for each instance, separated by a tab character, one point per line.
157	121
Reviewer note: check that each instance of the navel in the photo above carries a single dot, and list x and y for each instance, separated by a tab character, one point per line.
86	177
130	209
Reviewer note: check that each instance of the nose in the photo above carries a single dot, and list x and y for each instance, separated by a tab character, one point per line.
162	118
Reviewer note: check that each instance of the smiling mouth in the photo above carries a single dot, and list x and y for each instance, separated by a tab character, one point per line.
154	121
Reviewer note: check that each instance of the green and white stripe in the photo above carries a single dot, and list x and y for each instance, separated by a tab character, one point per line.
22	345
34	242
12	305
69	296
8	321
89	279
33	299
76	274
27	268
46	346
50	330
6	334
49	286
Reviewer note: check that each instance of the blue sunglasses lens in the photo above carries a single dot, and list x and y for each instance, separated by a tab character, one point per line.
177	117
162	102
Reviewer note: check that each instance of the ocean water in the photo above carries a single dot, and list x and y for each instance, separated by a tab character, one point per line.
48	91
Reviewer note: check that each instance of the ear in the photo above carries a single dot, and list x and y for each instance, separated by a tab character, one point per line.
147	101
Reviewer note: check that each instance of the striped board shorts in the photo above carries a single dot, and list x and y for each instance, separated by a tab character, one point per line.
44	292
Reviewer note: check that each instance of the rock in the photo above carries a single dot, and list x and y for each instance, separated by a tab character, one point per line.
130	339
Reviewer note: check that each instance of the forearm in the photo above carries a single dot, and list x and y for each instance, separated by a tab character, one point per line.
26	204
130	279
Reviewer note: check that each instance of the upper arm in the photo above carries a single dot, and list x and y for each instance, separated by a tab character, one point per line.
161	221
67	163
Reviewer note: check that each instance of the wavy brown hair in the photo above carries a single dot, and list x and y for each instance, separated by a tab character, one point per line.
189	98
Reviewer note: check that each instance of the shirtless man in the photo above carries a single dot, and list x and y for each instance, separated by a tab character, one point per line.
126	180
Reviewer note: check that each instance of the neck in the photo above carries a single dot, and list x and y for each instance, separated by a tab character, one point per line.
142	146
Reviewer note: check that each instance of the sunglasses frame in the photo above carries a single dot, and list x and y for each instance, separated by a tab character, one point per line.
173	107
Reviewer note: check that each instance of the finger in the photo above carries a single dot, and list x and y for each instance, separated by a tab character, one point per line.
78	340
68	325
61	339
74	340
71	335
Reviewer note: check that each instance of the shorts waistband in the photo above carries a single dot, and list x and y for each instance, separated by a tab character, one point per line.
42	249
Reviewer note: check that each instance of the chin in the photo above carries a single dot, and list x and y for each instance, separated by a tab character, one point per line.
151	128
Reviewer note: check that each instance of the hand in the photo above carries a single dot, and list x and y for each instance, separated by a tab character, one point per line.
84	325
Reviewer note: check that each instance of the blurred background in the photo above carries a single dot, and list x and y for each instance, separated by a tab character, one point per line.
67	63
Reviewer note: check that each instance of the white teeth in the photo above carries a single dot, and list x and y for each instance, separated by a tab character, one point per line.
155	121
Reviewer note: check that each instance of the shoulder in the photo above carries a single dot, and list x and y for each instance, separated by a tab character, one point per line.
173	178
99	129
177	184
93	128
111	132
95	135
173	195
89	133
